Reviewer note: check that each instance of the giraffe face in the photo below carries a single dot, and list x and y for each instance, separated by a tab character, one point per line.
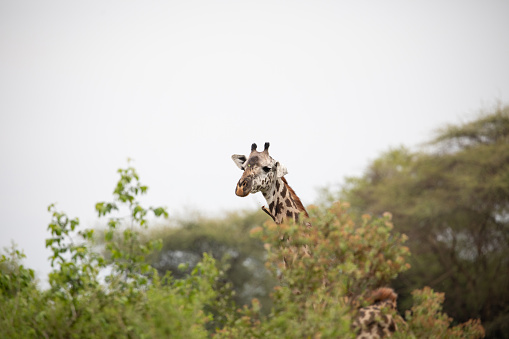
260	171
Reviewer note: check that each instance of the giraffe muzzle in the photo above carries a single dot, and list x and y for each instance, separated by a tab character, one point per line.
243	187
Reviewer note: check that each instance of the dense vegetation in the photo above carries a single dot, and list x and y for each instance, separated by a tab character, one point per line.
452	200
132	299
226	278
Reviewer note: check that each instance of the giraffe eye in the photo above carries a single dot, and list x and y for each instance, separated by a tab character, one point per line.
266	169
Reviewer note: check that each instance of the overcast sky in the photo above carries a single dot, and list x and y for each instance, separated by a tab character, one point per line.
180	86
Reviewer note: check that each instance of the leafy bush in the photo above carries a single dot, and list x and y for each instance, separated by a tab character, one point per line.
452	199
426	320
133	301
240	257
325	271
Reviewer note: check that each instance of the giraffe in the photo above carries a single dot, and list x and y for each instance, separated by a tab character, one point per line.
371	322
264	174
261	173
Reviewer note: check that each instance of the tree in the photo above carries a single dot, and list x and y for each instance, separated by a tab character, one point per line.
452	200
240	256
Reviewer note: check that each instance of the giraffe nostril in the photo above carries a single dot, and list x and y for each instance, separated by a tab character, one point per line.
243	187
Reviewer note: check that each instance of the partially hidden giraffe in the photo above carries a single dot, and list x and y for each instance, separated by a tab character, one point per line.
372	323
261	173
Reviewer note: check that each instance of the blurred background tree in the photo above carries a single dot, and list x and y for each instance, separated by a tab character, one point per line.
452	200
227	239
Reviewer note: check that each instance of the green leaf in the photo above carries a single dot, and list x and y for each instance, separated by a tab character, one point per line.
160	211
108	236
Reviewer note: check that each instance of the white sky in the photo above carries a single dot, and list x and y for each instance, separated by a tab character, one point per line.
180	86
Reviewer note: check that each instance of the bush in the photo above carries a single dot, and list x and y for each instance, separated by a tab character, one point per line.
452	199
326	273
133	301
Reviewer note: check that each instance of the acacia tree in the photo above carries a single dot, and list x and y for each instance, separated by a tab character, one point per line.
452	200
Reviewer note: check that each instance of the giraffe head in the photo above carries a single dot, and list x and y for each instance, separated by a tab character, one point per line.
260	171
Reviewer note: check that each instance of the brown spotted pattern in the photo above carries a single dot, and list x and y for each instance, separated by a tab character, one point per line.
283	202
372	321
261	173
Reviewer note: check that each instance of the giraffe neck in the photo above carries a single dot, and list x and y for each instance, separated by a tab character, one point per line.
283	202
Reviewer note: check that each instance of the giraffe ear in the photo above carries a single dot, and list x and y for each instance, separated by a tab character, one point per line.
281	170
239	160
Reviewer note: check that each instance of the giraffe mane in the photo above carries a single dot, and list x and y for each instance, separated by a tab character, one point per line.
299	204
382	294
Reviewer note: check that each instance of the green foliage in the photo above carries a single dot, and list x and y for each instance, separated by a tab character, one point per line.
240	256
326	272
78	267
127	253
355	257
14	277
16	287
453	202
132	302
426	320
